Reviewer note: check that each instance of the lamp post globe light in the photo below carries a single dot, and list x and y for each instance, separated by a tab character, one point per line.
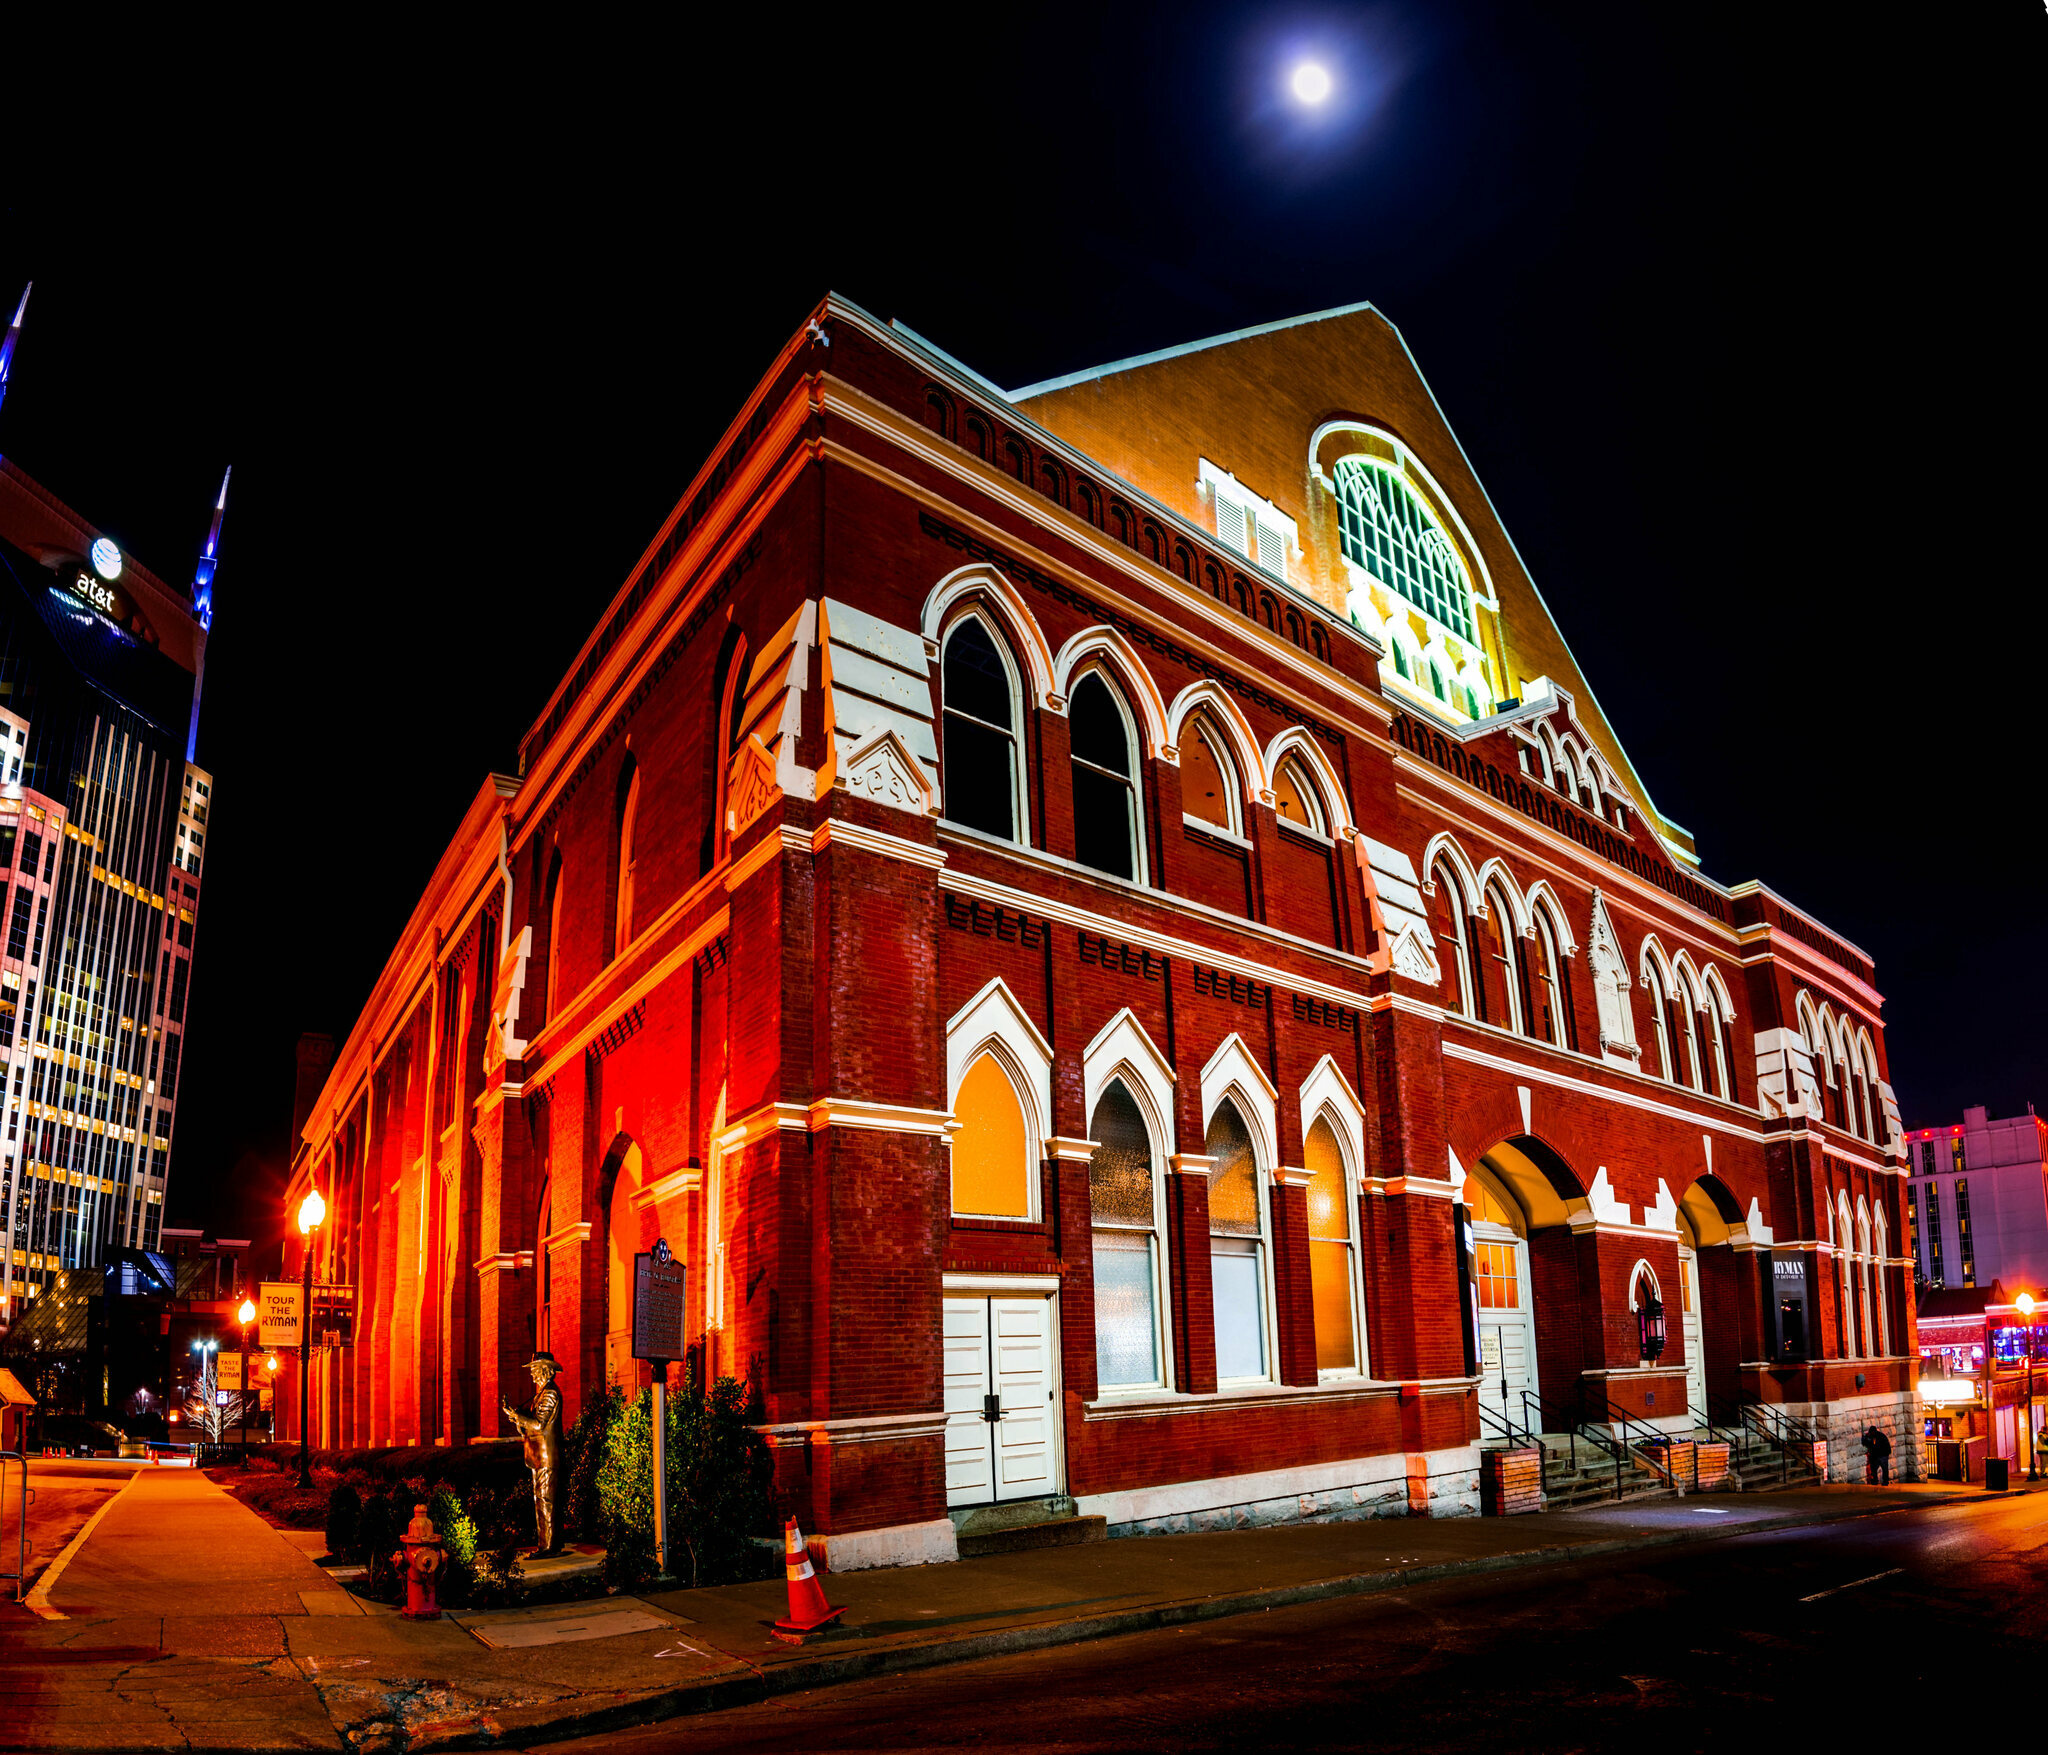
312	1210
245	1316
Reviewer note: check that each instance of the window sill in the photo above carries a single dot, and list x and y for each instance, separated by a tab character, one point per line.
1303	832
1215	831
1160	1403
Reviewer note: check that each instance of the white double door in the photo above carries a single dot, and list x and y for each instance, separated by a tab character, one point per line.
1002	1419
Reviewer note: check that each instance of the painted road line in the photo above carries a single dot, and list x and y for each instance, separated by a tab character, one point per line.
39	1598
1852	1584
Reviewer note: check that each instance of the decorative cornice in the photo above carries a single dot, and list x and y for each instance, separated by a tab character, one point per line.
579	1232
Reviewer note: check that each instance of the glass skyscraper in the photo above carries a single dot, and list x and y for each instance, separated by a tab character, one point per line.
103	821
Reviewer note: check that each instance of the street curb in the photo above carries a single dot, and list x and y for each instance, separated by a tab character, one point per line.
520	1728
504	1731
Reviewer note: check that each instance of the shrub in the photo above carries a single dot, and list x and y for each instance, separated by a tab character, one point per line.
377	1539
720	1485
719	1489
584	1447
457	1530
344	1513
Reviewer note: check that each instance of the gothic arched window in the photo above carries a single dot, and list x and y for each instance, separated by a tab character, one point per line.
980	755
1123	1194
1105	788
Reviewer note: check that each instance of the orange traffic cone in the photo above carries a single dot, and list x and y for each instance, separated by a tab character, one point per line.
808	1610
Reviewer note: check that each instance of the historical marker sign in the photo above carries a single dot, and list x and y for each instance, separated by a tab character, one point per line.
658	1280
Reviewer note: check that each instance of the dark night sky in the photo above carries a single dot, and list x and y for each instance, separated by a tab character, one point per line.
1730	313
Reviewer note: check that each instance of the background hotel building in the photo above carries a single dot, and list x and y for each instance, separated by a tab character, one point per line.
103	821
1977	1202
1105	925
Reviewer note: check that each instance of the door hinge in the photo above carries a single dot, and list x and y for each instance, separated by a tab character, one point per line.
991	1407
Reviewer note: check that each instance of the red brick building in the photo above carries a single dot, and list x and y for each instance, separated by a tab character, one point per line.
1105	927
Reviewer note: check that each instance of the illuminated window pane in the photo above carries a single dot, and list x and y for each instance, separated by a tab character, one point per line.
1295	799
991	1162
1233	1182
1206	786
1120	1169
1126	1327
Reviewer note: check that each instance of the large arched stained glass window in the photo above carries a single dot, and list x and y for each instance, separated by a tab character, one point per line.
1389	533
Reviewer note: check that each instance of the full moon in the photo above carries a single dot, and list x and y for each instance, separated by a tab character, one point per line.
1311	83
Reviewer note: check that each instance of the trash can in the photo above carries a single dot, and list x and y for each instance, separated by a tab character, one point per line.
1995	1471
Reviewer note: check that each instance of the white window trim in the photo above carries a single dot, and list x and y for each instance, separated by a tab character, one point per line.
1234	1074
1122	1052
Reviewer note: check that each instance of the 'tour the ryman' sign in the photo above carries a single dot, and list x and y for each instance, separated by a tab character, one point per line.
277	1309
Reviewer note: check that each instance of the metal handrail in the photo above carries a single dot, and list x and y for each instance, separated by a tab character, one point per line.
20	1572
1571	1423
1651	1440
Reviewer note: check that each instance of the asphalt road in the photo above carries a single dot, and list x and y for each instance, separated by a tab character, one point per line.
1852	1636
67	1491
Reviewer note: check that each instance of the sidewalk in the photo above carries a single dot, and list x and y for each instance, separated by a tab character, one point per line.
191	1624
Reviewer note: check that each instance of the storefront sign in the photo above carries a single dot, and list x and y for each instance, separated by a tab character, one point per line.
278	1307
658	1281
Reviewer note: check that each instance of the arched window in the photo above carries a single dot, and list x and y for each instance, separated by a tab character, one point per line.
1844	1252
1123	1191
629	810
1449	922
1390	533
1546	994
1870	1344
543	1316
1660	1010
1404	666
1720	1042
992	1157
1496	975
1861	1117
717	1266
1105	791
1437	686
1332	1275
1881	1270
1297	799
1209	787
621	1243
555	948
1237	1232
728	715
1685	1029
980	757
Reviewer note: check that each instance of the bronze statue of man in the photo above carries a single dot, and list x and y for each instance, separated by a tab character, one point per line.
541	1429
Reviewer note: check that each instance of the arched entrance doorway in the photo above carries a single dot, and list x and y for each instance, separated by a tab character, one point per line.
621	1244
1710	1321
1521	1196
1503	1295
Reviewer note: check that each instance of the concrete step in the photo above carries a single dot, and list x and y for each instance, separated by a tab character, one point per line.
1054	1532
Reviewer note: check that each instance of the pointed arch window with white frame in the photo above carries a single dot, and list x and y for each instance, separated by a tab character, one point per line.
1108	816
1124	1194
1297	799
1209	786
1237	1248
980	722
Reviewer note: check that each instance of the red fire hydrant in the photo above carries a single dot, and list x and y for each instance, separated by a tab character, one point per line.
419	1561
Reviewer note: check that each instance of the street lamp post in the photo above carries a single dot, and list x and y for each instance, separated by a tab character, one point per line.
311	1211
245	1316
2024	1303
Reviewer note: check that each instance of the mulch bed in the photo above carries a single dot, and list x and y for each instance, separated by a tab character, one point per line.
275	1496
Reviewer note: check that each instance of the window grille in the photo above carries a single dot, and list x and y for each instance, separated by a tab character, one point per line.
1389	533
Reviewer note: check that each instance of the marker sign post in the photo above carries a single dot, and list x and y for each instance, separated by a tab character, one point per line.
278	1309
658	1283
